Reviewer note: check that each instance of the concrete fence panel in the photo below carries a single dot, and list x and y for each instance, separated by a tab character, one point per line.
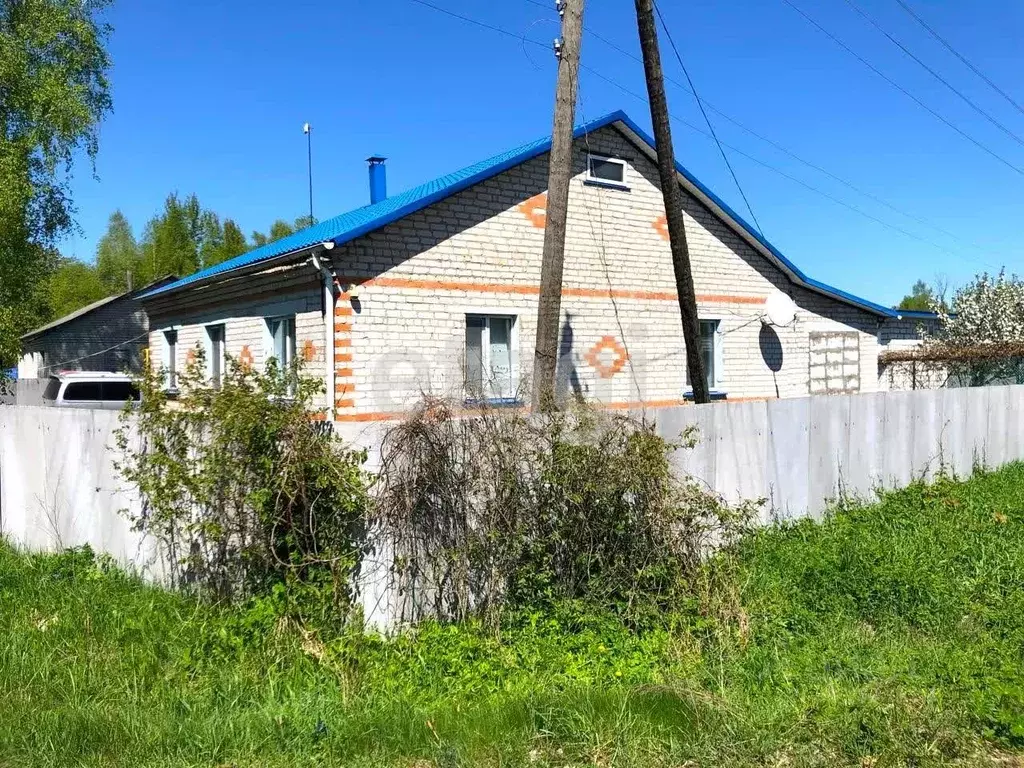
59	485
801	454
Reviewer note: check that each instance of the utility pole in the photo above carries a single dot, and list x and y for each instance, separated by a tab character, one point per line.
673	198
549	305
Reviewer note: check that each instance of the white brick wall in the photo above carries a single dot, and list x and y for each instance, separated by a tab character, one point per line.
479	251
243	307
408	330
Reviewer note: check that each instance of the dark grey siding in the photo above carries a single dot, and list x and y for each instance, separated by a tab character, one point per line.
110	338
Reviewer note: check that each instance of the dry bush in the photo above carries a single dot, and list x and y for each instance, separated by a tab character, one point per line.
504	509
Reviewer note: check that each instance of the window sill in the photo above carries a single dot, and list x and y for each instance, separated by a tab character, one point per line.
716	394
172	393
605	184
493	402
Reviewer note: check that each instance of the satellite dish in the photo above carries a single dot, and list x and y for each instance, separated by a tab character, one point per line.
779	310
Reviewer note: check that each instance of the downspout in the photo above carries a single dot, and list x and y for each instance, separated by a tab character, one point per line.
322	263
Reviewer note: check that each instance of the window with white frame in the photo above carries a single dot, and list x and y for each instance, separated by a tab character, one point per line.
491	357
606	170
215	354
711	352
281	346
171	359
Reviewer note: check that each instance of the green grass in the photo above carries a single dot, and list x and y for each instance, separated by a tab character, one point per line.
891	634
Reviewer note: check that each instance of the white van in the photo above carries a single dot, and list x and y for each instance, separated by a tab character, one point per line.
90	389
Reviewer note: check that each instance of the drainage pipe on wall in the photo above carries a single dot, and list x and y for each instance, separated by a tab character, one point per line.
323	264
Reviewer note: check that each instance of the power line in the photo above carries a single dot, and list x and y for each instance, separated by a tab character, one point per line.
478	23
903	90
794	179
955	52
740	152
61	364
707	119
774	144
935	74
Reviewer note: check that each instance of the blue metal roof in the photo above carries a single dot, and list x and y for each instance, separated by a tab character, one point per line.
348	226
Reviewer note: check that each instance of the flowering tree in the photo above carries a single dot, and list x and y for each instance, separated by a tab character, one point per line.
985	318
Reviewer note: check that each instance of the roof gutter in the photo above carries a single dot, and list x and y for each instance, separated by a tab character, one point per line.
248	269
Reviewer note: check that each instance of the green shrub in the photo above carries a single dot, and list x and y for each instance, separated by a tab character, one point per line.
243	491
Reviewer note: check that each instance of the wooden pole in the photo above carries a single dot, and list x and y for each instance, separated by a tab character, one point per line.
549	305
673	195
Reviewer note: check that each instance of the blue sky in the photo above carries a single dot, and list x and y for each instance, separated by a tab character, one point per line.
211	97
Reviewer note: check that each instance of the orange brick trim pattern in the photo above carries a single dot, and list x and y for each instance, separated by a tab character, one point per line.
534	290
597	357
660	225
535	210
344	383
345	388
308	351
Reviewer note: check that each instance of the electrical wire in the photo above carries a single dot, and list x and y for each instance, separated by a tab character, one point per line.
955	52
711	128
740	152
779	147
479	23
903	90
935	74
794	179
58	366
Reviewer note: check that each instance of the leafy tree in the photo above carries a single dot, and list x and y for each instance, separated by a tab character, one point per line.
186	237
169	244
233	243
280	229
926	297
118	257
210	239
73	285
182	238
921	298
986	313
53	95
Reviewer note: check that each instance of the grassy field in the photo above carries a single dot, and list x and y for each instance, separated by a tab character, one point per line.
891	634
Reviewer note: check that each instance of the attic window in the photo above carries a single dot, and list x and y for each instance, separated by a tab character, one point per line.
609	171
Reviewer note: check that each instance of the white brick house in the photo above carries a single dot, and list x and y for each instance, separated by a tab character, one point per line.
435	291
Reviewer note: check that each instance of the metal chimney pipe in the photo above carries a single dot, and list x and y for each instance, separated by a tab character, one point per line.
378	179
